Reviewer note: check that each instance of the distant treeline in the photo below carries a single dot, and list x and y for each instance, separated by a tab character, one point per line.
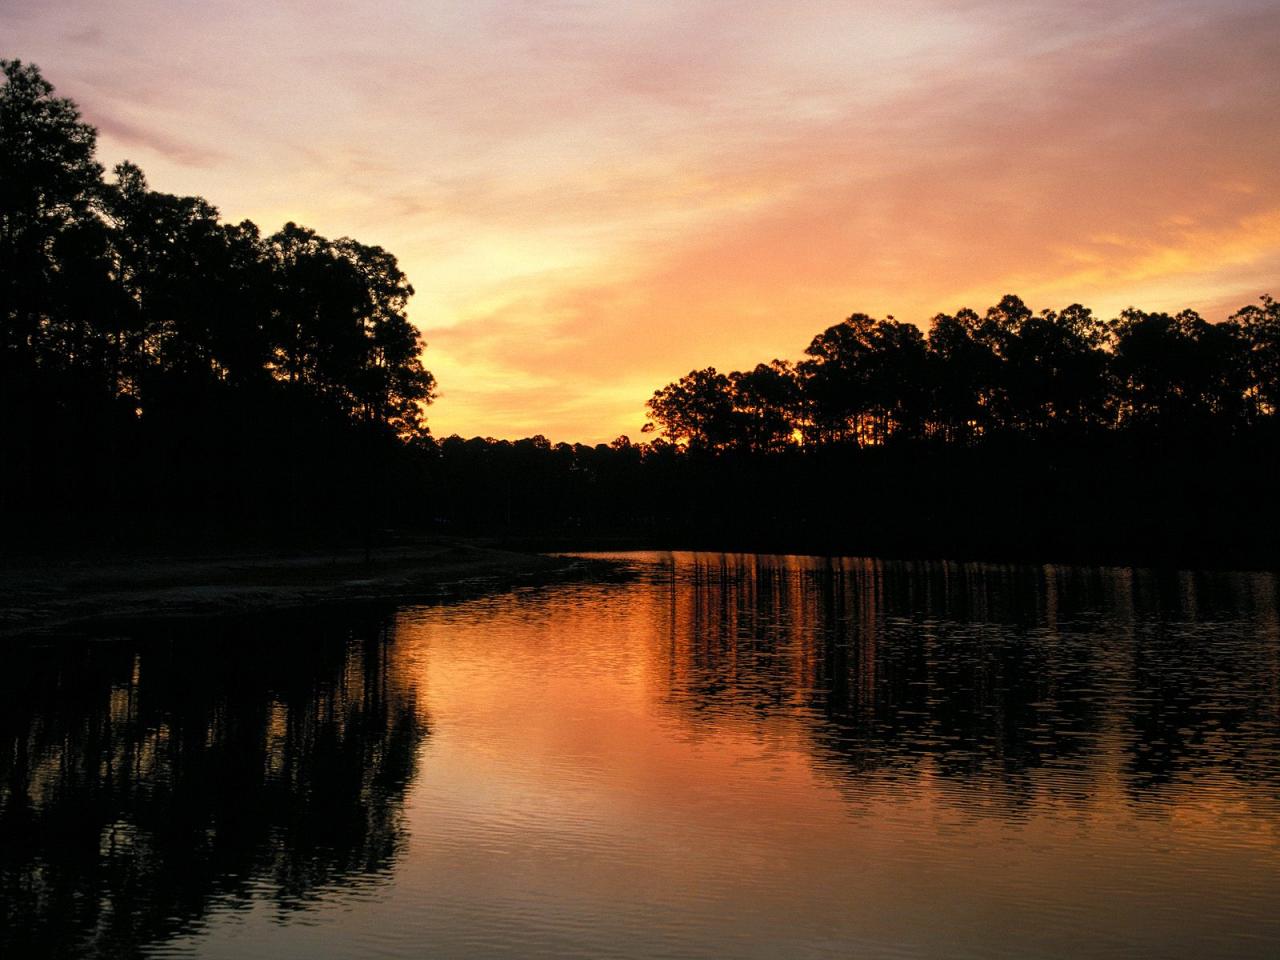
1054	375
157	362
1190	499
166	375
1151	437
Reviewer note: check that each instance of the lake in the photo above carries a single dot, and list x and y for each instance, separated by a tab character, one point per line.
684	755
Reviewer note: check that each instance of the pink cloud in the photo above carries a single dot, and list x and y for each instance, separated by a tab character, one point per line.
592	198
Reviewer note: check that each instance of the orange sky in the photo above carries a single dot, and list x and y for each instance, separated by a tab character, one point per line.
593	198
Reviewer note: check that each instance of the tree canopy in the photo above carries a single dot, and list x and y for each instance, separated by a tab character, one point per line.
163	372
136	325
1006	373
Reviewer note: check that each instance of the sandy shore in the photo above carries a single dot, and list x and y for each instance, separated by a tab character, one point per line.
44	595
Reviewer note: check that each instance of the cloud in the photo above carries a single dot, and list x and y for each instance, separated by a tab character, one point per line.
132	136
593	198
1101	175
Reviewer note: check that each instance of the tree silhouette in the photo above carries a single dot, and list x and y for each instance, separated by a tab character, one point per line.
1259	329
155	360
767	400
1177	372
697	409
864	381
166	374
963	372
1051	375
49	185
1058	371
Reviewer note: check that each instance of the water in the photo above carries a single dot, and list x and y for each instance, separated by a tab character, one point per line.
700	756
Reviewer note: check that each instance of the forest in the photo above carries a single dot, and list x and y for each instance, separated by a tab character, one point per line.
168	376
157	364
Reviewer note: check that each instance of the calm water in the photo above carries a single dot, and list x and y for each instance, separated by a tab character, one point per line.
703	756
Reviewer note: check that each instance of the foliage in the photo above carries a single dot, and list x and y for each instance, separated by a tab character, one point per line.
1010	373
158	364
154	358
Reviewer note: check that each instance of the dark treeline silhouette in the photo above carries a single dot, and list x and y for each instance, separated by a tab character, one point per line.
163	373
1059	376
1150	437
157	363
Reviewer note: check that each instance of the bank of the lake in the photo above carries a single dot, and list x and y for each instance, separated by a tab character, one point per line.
909	546
59	593
67	592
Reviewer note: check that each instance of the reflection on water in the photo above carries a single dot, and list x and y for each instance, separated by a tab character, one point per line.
710	756
974	671
144	783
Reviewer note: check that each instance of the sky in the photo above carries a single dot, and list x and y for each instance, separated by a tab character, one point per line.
593	198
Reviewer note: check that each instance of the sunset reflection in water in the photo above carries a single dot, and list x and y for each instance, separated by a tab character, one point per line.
709	755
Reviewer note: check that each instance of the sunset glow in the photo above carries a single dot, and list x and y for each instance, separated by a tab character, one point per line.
591	199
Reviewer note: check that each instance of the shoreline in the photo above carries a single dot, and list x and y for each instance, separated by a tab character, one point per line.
56	596
908	551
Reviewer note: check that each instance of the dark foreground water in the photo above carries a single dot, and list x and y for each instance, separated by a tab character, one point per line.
711	757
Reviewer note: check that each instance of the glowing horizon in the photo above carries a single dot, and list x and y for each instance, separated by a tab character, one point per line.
593	199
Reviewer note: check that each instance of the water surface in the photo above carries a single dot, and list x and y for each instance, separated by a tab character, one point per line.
704	756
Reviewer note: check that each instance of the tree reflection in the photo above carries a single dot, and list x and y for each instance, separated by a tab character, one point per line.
1037	679
143	781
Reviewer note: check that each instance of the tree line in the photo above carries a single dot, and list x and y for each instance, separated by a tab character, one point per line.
1053	375
154	358
164	374
1151	438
